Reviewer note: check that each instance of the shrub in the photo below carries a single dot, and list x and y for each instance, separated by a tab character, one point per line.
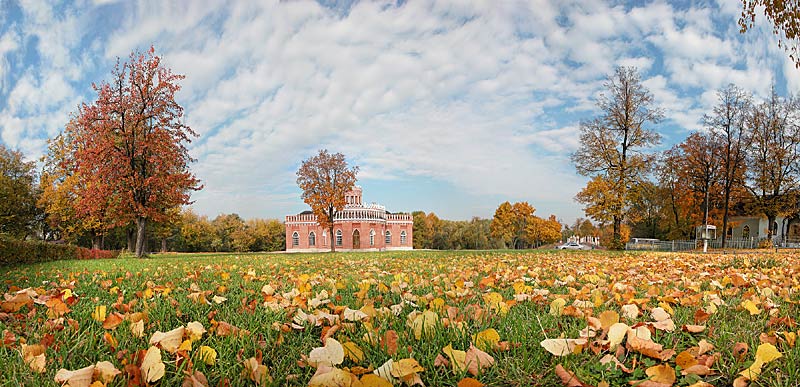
14	251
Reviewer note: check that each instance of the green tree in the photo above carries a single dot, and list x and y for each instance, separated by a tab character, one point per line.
614	147
18	194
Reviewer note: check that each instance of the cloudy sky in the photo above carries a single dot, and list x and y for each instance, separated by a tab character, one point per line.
446	106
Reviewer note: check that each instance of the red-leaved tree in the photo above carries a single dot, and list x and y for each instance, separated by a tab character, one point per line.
132	146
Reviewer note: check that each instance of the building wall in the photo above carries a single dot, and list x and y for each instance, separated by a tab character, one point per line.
347	228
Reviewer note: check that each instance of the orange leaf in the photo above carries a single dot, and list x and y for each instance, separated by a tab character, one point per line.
568	378
469	382
113	320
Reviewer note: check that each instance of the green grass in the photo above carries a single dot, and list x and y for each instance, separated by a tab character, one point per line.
428	274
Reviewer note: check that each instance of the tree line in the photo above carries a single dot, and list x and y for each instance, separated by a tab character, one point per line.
743	160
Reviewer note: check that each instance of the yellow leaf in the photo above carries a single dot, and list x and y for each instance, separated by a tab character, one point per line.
608	318
353	352
751	307
207	355
487	339
186	346
372	380
424	323
616	333
557	307
99	313
766	353
562	347
458	359
662	373
406	368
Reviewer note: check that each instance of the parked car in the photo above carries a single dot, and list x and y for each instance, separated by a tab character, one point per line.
573	246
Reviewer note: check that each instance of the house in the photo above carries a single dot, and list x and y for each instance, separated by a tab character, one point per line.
357	227
756	227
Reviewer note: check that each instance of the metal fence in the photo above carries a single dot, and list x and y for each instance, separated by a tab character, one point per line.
684	245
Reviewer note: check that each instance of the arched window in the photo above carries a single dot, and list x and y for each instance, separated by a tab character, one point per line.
312	239
403	237
295	239
388	237
746	231
338	237
372	237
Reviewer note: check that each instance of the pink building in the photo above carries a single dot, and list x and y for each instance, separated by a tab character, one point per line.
357	227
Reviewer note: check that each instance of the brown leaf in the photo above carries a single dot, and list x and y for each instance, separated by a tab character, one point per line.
698	369
389	342
477	360
740	350
469	382
568	378
196	379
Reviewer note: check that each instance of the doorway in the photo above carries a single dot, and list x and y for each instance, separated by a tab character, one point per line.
356	239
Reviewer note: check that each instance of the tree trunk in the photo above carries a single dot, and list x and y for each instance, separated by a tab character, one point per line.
141	223
725	216
333	238
617	239
163	245
131	233
771	231
95	241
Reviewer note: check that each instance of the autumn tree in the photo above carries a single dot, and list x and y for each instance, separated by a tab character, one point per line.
728	131
614	147
773	173
785	19
502	226
324	179
543	231
132	145
18	194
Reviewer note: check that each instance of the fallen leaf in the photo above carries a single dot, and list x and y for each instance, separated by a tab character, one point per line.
331	354
477	360
353	352
487	339
78	378
562	347
608	318
152	367
113	320
33	356
105	371
195	330
469	382
568	378
207	355
169	341
661	373
99	313
372	380
195	379
693	328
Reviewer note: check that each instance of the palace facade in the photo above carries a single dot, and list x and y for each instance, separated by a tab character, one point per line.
357	227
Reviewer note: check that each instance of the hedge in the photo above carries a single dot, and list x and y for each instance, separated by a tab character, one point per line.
13	251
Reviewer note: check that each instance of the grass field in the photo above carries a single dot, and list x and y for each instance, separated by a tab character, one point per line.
265	314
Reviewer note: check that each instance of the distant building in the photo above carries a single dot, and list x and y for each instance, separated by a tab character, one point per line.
357	227
745	227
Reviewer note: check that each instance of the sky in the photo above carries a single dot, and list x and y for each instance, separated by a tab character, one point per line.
449	107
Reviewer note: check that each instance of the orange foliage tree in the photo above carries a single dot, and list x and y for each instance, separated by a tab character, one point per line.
131	146
324	179
785	19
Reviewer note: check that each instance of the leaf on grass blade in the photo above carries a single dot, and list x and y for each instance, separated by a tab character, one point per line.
751	307
152	367
693	328
218	299
334	378
406	369
487	339
557	307
105	372
562	347
697	369
385	371
740	350
648	347
659	314
609	358
331	354
353	352
169	341
256	372
424	323
616	333
389	342
764	354
113	320
15	303
372	380
477	360
195	330
78	378
661	373
207	355
196	379
99	313
33	356
458	359
630	311
568	378
137	328
469	382
608	318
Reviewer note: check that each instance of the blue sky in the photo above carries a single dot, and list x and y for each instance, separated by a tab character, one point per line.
447	106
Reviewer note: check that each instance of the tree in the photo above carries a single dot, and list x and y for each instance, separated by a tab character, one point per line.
325	179
785	20
502	226
18	194
773	171
132	145
543	231
613	148
728	131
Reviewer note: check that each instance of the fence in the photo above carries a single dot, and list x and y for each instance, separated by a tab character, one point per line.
684	245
